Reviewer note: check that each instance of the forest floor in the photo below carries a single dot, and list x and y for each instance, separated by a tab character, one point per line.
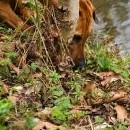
39	89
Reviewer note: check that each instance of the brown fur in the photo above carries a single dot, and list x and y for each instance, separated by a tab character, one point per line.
83	30
8	15
10	9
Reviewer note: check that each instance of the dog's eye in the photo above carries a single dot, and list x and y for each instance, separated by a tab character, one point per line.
77	38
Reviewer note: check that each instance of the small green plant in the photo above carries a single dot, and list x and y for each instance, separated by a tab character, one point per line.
24	74
4	70
63	103
34	66
4	65
101	59
5	62
76	92
54	77
121	125
61	109
2	127
5	107
31	122
7	39
58	115
5	29
99	120
11	55
75	87
76	115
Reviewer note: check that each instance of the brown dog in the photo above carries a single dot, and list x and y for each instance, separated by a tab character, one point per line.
83	30
10	8
8	15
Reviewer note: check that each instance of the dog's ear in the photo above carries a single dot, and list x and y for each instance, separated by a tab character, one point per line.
95	17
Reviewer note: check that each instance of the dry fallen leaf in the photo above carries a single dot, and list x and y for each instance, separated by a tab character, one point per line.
121	112
37	75
104	75
89	86
2	38
120	95
14	68
43	114
85	108
47	126
5	87
13	99
109	80
108	77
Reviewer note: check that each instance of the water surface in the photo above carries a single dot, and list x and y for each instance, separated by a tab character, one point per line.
114	17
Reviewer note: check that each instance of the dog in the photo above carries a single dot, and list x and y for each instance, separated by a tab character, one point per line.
82	32
10	9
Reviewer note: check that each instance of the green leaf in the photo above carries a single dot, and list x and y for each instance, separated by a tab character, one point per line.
32	122
2	127
58	92
5	106
34	66
54	76
4	62
58	114
11	54
63	103
99	119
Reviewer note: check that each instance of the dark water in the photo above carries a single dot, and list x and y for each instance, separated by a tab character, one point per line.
114	17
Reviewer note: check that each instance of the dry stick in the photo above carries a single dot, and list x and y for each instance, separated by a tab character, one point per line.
50	14
17	31
46	65
16	110
26	51
42	85
80	123
43	44
55	20
40	35
50	25
38	25
91	125
46	49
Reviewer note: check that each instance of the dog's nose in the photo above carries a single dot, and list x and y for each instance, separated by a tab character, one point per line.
79	64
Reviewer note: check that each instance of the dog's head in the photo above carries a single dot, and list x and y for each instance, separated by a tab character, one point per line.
83	30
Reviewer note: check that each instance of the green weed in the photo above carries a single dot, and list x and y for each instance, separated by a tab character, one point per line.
100	58
31	122
5	108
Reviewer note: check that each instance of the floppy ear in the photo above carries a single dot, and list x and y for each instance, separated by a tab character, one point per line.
95	17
